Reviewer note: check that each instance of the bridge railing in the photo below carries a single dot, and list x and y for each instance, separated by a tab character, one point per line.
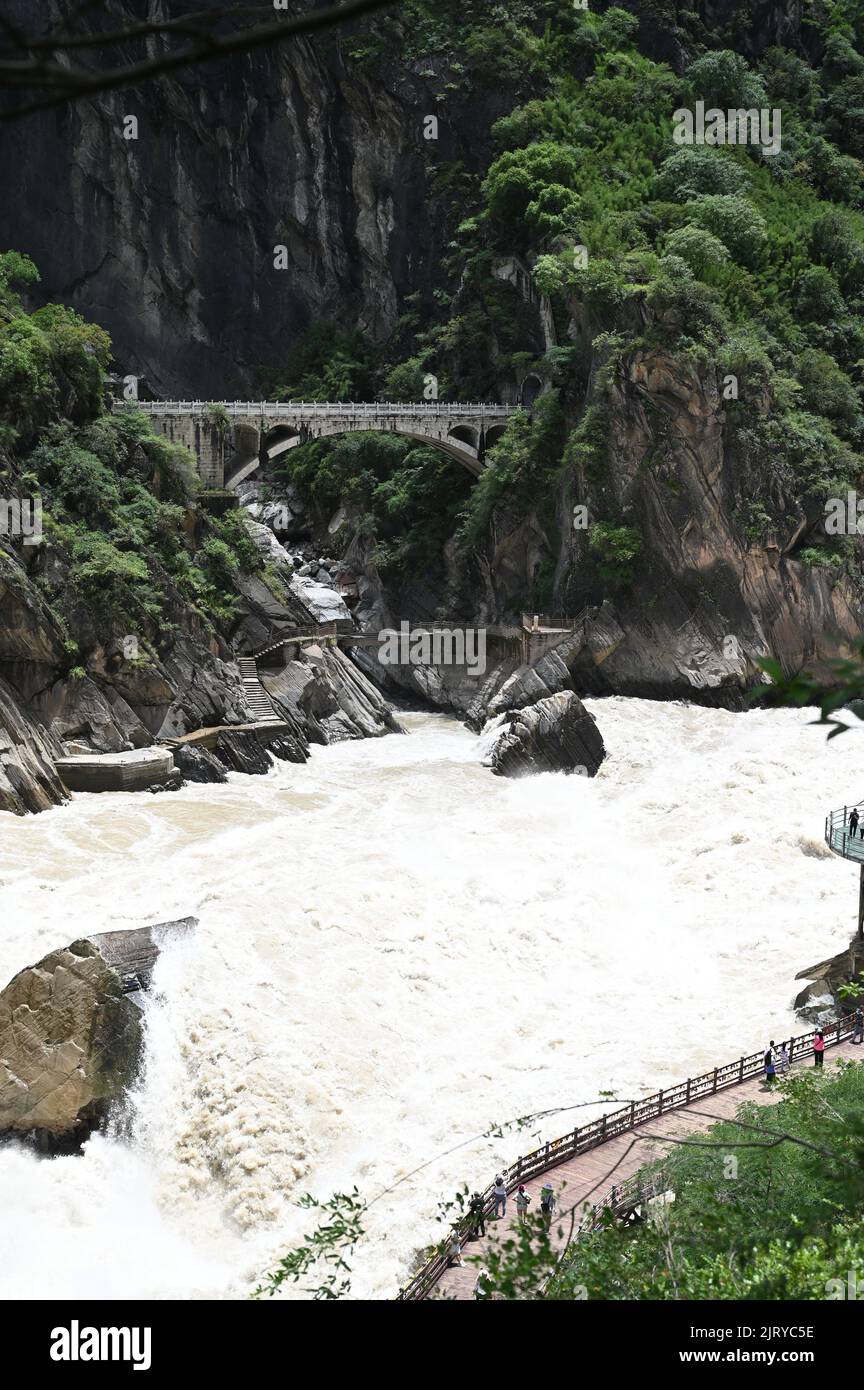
312	409
608	1126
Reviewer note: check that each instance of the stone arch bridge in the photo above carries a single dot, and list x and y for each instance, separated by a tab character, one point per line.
232	440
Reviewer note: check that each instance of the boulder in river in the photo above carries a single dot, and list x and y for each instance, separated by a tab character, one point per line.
819	1001
198	764
556	734
70	1033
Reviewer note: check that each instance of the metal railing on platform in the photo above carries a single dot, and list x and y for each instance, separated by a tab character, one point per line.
843	840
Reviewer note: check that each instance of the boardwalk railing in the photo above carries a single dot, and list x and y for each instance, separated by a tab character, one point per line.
637	1112
312	409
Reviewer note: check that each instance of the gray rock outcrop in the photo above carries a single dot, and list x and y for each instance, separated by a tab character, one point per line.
198	764
820	1001
71	1033
28	779
556	734
329	697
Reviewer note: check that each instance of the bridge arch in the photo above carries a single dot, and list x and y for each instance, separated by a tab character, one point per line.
462	443
263	430
278	439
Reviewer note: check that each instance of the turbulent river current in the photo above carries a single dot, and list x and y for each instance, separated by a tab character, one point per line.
396	950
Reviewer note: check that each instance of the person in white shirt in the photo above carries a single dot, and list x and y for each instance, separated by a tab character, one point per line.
499	1192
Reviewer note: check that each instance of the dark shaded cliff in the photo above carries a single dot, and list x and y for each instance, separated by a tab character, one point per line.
167	240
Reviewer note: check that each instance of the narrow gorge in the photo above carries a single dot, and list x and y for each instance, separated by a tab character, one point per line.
431	437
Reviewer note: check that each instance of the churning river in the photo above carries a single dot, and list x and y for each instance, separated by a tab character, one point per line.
397	949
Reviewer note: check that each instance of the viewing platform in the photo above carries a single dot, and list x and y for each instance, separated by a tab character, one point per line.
847	841
838	836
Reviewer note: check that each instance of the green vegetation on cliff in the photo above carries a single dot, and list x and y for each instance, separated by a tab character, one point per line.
117	498
742	263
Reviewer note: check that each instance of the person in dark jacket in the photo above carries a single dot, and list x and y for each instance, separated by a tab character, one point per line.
475	1207
853	821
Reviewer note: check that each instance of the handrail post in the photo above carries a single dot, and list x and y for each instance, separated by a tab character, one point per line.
687	1101
632	1113
714	1088
659	1102
741	1070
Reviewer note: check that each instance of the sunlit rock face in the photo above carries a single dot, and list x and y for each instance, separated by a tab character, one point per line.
70	1033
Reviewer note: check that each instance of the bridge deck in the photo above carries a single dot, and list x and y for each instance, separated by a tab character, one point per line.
589	1177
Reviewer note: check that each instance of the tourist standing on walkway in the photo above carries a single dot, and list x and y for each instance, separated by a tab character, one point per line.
819	1048
858	1028
853	822
768	1064
547	1202
500	1194
475	1207
783	1060
522	1200
454	1253
483	1285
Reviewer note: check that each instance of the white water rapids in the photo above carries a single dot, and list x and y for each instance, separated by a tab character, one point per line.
396	949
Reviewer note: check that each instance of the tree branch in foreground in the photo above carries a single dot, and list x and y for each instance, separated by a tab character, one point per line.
25	62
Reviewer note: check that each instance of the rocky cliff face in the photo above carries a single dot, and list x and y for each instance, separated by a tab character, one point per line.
168	240
710	600
187	679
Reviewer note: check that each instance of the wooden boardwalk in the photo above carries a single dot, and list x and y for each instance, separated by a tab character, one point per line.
588	1177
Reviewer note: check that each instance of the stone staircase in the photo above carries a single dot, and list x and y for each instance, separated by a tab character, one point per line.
257	699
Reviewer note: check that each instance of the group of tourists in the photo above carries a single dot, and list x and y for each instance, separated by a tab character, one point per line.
477	1213
776	1060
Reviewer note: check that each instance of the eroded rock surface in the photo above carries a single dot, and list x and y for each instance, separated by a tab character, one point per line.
819	1001
556	734
28	780
71	1034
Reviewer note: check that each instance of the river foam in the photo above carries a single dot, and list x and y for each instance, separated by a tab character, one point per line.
397	949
